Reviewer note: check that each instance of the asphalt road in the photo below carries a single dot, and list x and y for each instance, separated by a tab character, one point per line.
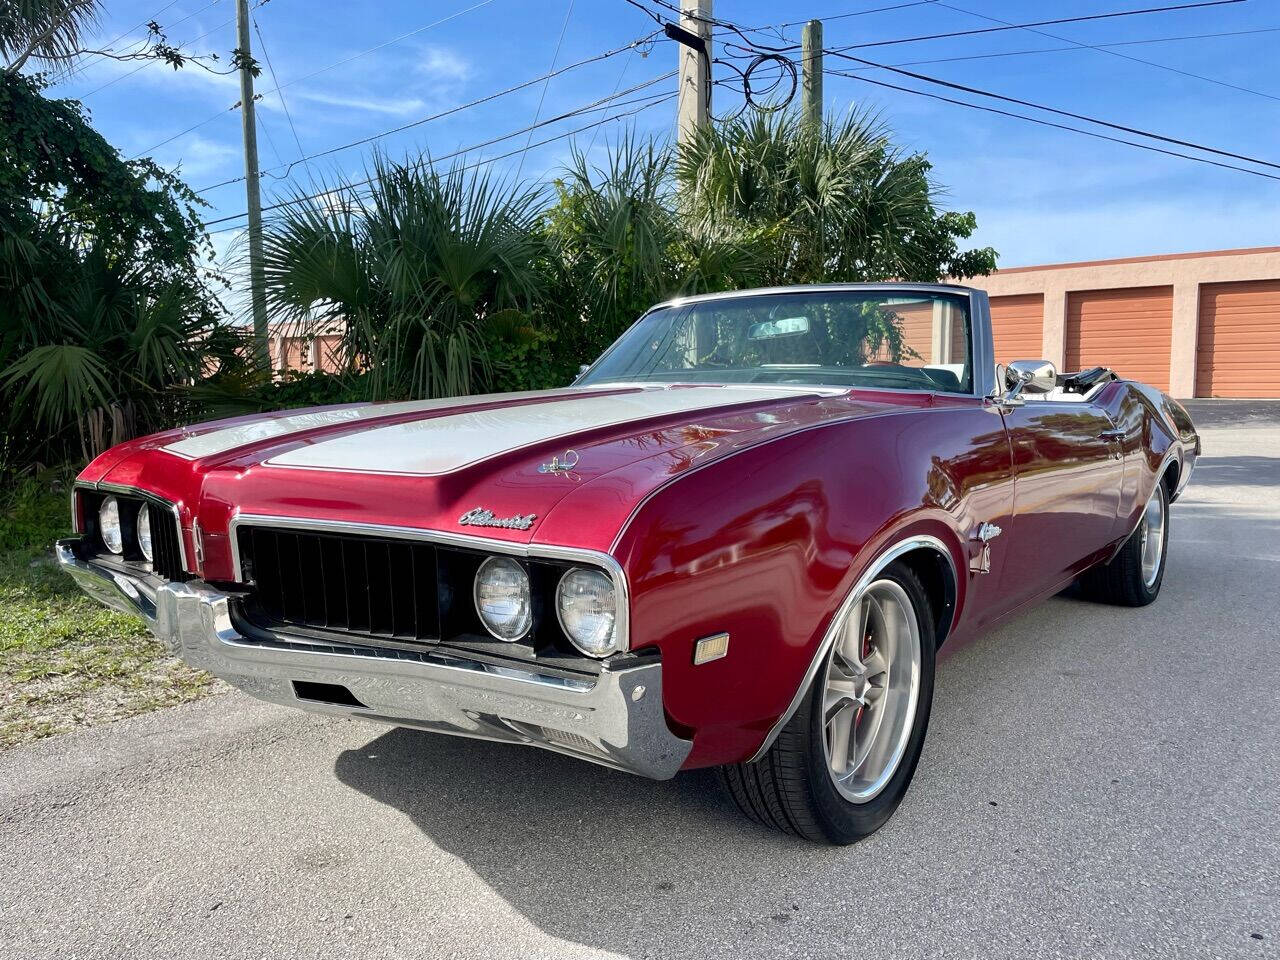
1097	782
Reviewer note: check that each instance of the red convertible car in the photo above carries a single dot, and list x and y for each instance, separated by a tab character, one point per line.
739	540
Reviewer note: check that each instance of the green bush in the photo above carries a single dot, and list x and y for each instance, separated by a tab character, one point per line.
34	510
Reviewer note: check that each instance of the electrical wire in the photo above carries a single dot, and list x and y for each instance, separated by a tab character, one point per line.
546	83
314	73
1049	123
1114	43
288	168
602	103
1017	101
1040	23
284	106
146	63
1078	44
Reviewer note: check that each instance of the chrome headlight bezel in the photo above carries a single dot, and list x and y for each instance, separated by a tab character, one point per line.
110	529
142	532
522	623
605	638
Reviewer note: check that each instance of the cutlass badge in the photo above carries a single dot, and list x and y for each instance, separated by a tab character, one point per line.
481	517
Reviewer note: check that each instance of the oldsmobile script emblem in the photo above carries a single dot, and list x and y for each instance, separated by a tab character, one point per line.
480	517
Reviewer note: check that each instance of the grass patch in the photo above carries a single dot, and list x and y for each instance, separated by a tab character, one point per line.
65	660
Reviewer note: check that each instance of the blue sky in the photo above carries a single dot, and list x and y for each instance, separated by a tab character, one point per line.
1040	195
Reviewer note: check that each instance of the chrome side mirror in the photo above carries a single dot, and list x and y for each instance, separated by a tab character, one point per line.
1028	376
581	370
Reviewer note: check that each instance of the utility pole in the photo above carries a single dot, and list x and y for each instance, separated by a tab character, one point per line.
252	188
811	66
693	103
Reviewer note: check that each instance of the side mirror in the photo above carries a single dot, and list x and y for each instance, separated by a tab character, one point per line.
581	370
1028	376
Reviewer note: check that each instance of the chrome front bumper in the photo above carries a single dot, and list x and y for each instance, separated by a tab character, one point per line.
616	719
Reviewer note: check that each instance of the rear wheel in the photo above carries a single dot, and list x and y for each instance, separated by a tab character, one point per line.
1133	577
843	762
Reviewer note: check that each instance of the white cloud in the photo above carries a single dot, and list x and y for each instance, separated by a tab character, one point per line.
396	106
199	158
440	63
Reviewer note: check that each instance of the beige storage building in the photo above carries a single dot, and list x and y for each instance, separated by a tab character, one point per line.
1196	324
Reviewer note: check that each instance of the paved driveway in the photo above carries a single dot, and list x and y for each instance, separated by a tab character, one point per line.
1097	782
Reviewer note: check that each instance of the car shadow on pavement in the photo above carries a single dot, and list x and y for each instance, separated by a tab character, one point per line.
589	855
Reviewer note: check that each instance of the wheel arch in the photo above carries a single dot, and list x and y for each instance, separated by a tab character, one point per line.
930	559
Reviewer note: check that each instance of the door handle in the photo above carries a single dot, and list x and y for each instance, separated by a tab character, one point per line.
1117	437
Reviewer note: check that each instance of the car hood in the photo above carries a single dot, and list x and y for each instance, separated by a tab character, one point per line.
565	467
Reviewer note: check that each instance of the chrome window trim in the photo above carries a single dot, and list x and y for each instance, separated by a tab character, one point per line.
981	349
582	555
103	486
876	567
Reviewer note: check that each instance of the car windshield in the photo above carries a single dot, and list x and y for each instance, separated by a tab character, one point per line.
900	340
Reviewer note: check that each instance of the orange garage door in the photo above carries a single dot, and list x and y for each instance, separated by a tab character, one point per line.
1129	330
1018	325
1238	347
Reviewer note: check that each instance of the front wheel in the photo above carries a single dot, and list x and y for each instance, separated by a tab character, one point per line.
1134	575
843	762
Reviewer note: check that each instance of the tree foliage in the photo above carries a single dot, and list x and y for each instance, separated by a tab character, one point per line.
104	305
448	282
425	273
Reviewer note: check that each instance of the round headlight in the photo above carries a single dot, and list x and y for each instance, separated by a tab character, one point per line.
109	525
503	598
144	531
588	611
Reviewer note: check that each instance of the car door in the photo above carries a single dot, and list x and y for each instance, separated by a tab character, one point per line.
1067	472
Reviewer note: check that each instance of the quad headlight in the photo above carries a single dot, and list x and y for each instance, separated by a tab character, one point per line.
144	531
504	601
586	604
109	525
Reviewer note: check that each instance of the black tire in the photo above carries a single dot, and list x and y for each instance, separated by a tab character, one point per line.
790	788
1121	581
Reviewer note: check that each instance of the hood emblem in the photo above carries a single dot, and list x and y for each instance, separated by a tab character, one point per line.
561	464
482	517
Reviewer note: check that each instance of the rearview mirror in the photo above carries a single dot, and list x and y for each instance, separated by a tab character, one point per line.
1028	376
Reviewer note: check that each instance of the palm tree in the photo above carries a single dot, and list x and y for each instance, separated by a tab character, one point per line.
48	31
841	201
423	268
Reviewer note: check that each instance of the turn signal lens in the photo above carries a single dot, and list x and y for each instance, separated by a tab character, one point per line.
109	525
588	610
144	531
503	598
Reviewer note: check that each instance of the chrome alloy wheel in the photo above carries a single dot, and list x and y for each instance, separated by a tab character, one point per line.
1152	535
870	691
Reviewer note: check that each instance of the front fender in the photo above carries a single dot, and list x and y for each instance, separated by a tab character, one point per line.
767	545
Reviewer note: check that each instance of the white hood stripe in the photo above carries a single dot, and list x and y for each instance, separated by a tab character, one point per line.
217	442
443	444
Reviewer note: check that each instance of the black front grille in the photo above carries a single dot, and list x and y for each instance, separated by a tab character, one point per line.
166	545
353	584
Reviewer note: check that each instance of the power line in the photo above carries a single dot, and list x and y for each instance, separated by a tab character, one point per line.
1114	43
654	101
145	63
316	73
602	103
1050	123
976	91
1040	23
1115	53
288	116
546	83
448	112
